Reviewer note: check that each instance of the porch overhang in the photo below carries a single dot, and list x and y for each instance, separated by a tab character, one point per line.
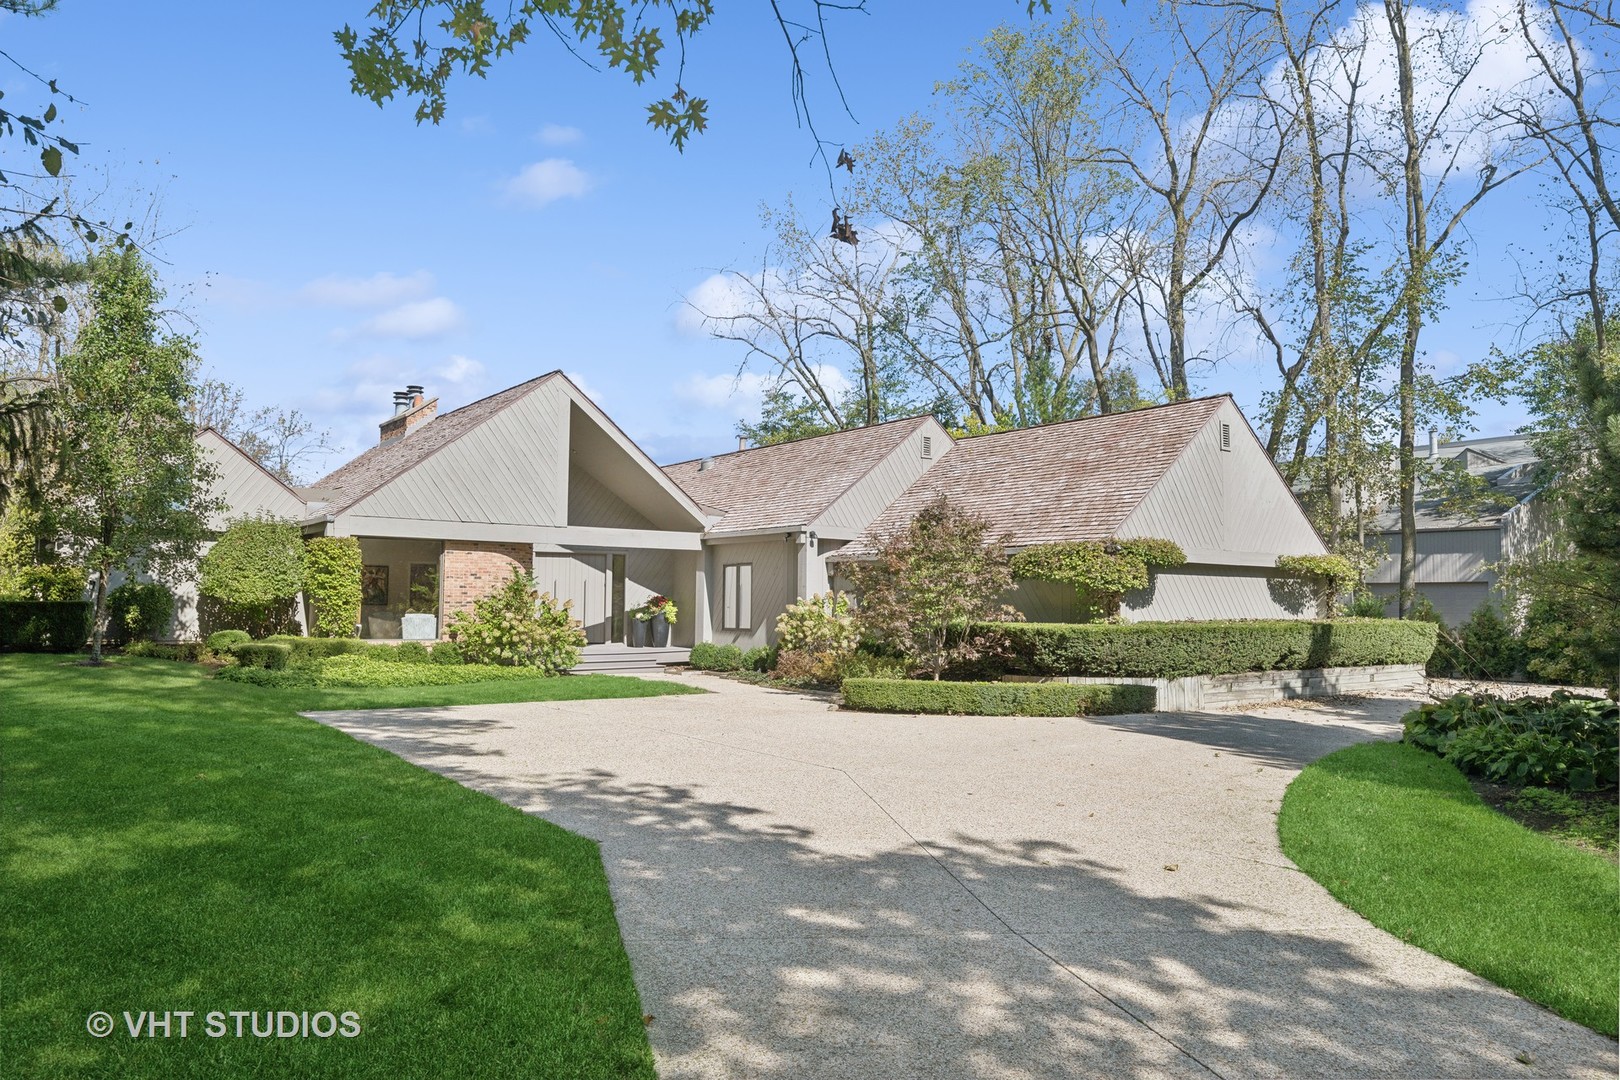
553	538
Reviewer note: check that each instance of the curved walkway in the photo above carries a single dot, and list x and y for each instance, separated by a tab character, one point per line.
810	893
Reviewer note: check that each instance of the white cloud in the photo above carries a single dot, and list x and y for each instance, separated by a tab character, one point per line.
547	181
460	370
559	135
378	290
740	395
476	125
415	321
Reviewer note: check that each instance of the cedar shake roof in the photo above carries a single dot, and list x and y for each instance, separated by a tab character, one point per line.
381	464
1075	480
789	484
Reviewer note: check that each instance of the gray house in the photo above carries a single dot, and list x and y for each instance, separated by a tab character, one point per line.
537	477
1192	472
1457	552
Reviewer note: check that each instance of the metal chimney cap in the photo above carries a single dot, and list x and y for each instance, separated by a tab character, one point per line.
414	390
705	464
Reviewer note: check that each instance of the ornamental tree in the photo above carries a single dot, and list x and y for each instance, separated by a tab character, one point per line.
132	490
930	582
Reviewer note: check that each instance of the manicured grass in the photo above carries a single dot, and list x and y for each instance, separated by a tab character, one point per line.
169	842
1399	836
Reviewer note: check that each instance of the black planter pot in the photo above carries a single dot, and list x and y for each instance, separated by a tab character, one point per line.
660	630
638	634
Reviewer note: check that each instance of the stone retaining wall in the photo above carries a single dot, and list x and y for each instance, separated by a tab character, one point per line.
1201	692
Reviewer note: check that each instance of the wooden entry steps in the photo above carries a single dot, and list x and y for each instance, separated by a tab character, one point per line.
623	660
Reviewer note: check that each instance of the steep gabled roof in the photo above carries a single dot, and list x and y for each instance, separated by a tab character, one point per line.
1075	480
380	464
792	483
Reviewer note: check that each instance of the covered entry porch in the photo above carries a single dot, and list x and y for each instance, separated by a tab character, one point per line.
605	589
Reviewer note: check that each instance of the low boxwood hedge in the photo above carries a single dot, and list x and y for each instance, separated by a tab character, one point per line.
307	650
707	656
270	655
44	625
996	698
1174	650
221	640
370	672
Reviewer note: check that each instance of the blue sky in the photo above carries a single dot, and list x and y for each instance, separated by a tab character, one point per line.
327	252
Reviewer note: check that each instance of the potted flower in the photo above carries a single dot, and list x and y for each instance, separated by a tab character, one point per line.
656	615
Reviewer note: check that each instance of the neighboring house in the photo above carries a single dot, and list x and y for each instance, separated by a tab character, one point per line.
246	488
1456	553
1192	472
538	477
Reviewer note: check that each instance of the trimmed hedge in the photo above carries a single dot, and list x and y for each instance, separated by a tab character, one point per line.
1174	650
222	640
270	655
189	652
307	650
996	698
371	672
710	657
45	625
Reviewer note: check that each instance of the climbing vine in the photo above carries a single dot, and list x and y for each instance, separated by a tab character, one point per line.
1101	571
1321	577
332	582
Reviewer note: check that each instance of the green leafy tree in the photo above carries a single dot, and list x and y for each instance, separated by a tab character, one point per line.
255	570
132	486
930	582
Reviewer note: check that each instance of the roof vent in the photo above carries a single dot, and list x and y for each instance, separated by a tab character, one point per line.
927	446
706	464
1226	436
402	402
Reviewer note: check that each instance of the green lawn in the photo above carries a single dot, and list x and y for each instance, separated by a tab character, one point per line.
1398	835
168	842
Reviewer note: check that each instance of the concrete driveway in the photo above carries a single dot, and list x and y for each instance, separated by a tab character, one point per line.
810	893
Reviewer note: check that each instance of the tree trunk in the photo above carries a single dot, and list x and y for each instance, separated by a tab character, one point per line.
102	573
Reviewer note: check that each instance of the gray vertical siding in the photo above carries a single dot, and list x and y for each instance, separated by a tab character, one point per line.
1225	500
1443	556
869	496
1211	592
775	579
1453	601
511	469
591	503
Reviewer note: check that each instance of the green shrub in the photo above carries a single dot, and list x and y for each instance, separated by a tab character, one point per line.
521	627
1367	605
189	652
361	670
996	698
139	611
44	581
865	665
222	640
446	652
411	652
254	572
1564	643
1483	647
270	655
44	625
1172	650
255	676
306	650
1561	741
821	623
332	583
1101	572
707	656
760	658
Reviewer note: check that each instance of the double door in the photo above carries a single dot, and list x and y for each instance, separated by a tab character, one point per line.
589	582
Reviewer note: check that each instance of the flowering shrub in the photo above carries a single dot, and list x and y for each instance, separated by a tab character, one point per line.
519	626
824	623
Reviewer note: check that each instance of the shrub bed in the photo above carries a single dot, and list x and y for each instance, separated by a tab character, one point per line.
189	652
306	650
270	655
1561	741
44	625
995	698
707	656
1174	650
370	672
221	640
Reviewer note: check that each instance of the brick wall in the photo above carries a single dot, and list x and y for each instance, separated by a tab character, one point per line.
474	569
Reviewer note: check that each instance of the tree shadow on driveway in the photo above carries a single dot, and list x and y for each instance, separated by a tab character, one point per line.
768	941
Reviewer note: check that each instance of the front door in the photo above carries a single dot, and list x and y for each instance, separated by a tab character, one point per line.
582	580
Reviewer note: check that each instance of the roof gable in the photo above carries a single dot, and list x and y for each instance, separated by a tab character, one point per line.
789	484
244	484
1074	480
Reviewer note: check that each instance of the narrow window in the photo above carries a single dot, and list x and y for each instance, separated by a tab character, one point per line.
736	599
1226	436
928	446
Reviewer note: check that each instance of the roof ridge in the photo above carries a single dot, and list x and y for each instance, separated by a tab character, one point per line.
1100	416
917	417
234	445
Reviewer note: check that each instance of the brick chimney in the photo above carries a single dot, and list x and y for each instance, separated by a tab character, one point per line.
409	411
